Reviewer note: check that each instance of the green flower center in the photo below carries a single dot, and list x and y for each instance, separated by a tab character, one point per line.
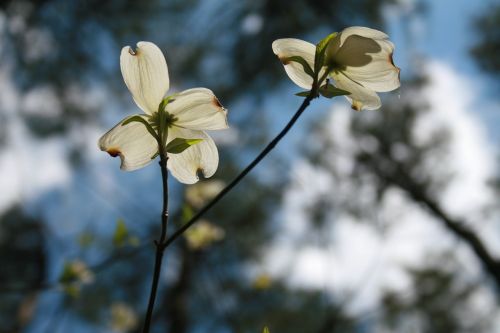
335	67
168	119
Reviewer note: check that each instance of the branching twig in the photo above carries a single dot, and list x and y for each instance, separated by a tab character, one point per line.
242	175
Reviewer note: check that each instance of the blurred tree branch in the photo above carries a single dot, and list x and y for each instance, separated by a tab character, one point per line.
487	48
418	193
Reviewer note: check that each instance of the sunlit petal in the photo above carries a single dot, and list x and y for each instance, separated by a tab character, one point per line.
146	75
202	156
289	47
365	56
361	98
362	31
379	75
132	142
198	109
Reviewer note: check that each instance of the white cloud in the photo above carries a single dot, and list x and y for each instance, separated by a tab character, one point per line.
28	166
42	101
470	157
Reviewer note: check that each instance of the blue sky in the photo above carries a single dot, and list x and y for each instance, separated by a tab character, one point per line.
446	33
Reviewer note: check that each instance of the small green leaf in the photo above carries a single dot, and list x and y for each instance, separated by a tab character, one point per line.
121	234
178	145
140	119
165	101
265	330
330	91
321	46
319	59
305	65
303	93
155	155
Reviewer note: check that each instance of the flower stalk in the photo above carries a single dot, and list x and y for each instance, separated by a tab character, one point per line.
160	248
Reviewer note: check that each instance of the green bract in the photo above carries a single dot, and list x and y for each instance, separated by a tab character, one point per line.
319	58
329	91
307	68
178	145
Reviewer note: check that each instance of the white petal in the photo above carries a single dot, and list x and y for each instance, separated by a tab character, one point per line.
198	109
202	156
362	31
146	75
361	98
289	47
365	56
132	142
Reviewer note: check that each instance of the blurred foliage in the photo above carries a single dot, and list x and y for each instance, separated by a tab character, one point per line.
23	261
123	318
75	274
294	312
203	234
441	302
122	236
487	47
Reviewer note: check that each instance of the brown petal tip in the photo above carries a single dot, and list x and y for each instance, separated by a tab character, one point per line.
216	102
356	105
200	173
132	51
284	60
219	106
113	152
391	61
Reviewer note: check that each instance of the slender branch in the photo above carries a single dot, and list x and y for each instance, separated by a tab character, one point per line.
163	243
467	235
458	227
160	248
249	168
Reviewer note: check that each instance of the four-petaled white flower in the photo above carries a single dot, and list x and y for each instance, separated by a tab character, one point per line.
358	59
188	113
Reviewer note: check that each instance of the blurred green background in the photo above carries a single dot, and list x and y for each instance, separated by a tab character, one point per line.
374	221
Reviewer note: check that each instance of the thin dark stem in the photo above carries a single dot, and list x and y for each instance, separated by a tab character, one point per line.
242	175
160	248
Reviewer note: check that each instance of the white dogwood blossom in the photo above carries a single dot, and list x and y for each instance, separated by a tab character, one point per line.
358	59
186	115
